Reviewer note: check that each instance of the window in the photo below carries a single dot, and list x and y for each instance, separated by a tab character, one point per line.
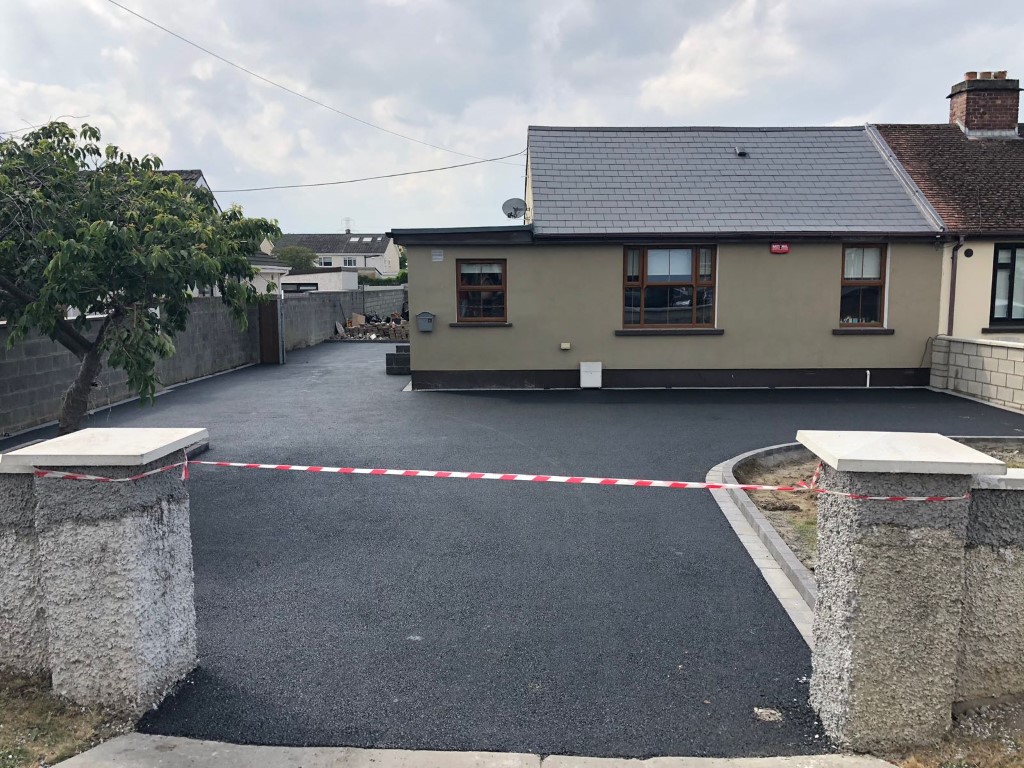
481	291
1008	285
350	261
669	287
862	297
367	239
325	261
354	239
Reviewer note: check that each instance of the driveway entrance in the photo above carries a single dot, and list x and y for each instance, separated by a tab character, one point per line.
449	614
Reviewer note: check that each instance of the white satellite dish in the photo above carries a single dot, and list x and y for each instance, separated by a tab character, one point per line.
514	208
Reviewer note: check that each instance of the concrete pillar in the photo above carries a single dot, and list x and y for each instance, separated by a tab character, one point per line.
890	585
991	664
116	565
23	644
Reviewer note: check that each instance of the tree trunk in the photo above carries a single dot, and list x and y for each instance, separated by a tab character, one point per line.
75	404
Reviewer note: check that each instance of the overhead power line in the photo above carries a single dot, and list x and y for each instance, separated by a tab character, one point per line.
369	178
285	88
33	127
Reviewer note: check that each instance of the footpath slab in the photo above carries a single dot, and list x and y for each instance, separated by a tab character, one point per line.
140	751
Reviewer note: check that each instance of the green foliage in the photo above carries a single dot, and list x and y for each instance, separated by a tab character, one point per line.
400	279
98	230
296	256
403	262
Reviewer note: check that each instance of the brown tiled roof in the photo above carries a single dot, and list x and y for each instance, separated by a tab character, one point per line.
976	185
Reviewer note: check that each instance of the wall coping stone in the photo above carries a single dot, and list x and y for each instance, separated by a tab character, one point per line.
13	468
1013	480
986	342
898	452
107	447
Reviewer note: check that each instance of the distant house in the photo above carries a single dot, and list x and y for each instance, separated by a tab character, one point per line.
971	170
373	254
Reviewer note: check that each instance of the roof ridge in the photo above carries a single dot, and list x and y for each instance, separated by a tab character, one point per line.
694	128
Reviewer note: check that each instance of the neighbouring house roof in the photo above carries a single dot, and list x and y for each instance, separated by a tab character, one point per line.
190	176
351	243
976	185
266	263
694	181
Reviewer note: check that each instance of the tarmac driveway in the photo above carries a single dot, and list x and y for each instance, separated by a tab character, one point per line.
449	614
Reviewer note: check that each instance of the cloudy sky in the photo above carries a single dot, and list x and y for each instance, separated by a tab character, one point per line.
467	75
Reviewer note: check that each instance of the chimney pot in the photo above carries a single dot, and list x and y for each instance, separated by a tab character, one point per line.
1000	75
970	75
985	76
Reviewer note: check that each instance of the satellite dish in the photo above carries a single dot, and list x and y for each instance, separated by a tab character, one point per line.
514	208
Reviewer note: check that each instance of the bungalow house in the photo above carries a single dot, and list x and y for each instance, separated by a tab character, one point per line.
686	257
972	172
373	254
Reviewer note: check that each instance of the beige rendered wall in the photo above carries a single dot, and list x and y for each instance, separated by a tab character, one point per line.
973	292
776	311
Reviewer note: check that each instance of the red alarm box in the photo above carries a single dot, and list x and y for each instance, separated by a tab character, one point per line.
780	248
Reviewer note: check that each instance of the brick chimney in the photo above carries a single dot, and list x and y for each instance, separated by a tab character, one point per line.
985	105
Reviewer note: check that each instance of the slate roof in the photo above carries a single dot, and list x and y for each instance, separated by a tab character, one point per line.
690	180
976	185
338	243
190	176
261	259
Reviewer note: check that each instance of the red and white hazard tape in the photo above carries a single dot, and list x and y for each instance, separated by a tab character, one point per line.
568	479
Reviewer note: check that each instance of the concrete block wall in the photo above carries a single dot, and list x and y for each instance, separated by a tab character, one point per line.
35	372
988	370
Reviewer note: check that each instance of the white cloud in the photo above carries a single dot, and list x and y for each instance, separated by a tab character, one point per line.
119	55
723	59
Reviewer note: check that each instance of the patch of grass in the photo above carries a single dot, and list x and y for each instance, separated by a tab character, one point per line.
39	729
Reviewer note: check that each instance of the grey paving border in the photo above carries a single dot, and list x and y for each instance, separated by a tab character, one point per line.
800	576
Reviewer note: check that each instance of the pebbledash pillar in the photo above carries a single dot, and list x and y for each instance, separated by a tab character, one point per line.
23	644
890	580
115	561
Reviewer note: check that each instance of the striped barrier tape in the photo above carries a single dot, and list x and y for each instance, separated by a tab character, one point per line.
567	479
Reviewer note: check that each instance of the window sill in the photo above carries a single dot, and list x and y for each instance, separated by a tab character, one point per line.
1009	328
863	331
479	325
670	332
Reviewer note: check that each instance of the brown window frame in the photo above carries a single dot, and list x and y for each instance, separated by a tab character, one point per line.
460	288
696	283
860	283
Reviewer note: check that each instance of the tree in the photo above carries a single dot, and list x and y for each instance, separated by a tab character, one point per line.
403	262
101	252
296	256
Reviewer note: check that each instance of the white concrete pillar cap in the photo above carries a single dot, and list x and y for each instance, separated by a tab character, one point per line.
104	448
899	452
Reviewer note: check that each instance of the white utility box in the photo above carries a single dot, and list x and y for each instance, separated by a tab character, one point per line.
590	375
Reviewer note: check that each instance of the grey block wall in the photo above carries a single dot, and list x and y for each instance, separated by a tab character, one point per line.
988	370
35	373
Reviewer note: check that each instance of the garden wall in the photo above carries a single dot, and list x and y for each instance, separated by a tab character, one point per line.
992	371
35	372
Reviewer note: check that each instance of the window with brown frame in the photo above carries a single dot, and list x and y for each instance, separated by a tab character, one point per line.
669	287
862	299
480	287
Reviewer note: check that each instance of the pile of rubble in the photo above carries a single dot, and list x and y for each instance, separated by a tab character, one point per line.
373	328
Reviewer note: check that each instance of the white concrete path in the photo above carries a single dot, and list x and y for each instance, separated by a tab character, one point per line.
139	751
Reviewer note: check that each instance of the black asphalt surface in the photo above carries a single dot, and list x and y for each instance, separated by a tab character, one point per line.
451	614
